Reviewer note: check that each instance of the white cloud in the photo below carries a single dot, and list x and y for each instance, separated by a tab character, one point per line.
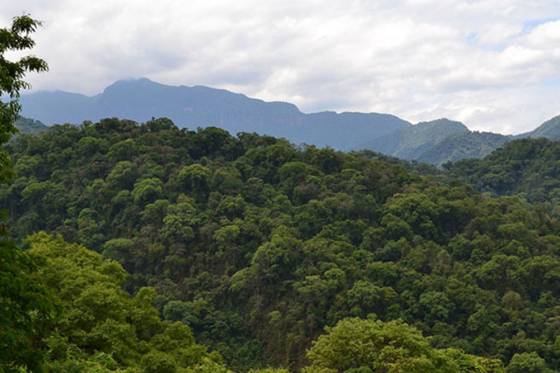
472	60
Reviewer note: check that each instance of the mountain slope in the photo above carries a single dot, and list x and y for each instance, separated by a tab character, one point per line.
437	142
463	146
409	143
527	166
30	126
549	130
199	106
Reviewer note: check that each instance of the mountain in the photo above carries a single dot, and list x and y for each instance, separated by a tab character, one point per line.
463	146
437	142
410	142
549	130
198	106
443	140
27	125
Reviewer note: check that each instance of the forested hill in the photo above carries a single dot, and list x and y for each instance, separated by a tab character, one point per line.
437	142
30	126
529	167
257	246
411	142
441	141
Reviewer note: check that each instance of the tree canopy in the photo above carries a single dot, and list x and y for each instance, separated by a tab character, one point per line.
257	245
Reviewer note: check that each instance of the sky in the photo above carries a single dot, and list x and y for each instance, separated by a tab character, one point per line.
492	64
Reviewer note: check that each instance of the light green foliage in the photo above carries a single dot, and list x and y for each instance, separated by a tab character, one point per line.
180	220
147	190
357	345
123	175
100	326
527	363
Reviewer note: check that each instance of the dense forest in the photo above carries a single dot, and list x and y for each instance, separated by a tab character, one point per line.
257	246
527	167
128	247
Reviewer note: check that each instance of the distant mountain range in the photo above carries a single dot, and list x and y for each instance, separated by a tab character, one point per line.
192	107
434	142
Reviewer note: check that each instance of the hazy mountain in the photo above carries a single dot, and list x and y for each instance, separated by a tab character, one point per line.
434	142
191	107
549	129
27	125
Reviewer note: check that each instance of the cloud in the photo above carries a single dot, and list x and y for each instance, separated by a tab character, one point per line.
493	64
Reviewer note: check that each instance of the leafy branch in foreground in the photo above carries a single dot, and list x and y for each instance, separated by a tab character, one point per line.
26	307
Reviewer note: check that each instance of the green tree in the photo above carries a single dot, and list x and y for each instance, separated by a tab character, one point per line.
26	307
527	362
15	38
195	180
98	317
393	347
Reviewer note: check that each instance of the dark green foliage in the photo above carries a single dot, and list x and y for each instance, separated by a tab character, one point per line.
26	306
15	38
27	310
258	245
528	167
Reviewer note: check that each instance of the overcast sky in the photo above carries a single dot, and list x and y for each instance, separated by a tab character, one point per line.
493	64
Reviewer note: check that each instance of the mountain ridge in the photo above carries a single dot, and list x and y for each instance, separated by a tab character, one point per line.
435	142
195	106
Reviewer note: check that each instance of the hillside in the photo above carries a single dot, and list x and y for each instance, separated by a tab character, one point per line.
257	246
549	130
527	166
463	146
442	141
437	142
411	142
29	126
199	106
